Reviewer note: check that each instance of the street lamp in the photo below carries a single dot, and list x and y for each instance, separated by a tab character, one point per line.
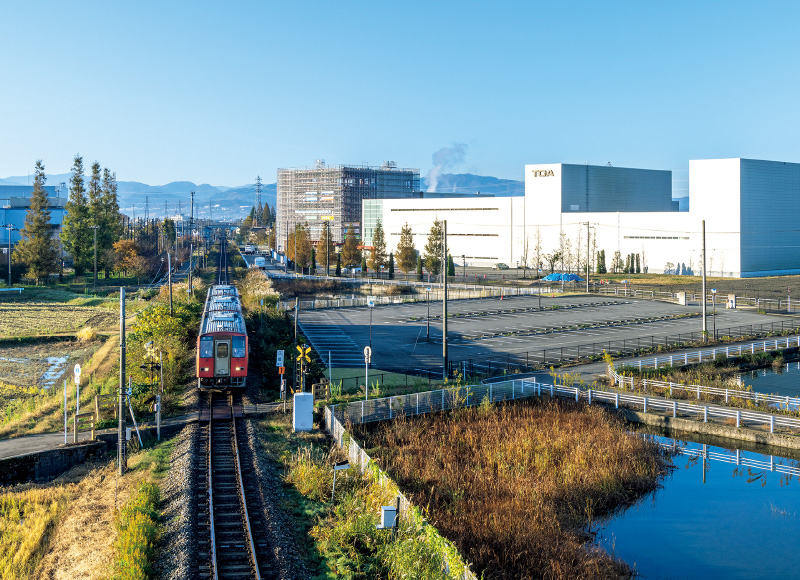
464	263
9	226
371	304
95	256
714	310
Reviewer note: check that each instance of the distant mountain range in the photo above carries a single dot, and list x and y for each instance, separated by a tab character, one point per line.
235	202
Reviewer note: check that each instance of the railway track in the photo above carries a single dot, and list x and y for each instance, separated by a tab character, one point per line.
229	510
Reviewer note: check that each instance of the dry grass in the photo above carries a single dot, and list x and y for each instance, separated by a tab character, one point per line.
46	319
515	486
86	334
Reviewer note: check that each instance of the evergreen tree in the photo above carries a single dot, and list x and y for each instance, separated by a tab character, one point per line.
38	248
638	264
313	258
351	254
406	253
377	257
601	263
75	233
391	266
433	249
110	220
326	249
338	265
451	266
420	274
364	267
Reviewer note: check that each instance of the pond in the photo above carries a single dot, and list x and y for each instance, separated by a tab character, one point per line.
786	382
713	519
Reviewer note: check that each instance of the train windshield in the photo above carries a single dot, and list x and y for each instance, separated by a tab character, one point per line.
222	350
237	344
206	346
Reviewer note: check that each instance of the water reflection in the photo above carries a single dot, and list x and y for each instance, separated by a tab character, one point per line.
766	380
713	518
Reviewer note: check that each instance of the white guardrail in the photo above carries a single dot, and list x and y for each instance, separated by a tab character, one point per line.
468	396
699	356
359	457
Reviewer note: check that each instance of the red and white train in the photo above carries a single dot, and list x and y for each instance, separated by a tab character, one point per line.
222	346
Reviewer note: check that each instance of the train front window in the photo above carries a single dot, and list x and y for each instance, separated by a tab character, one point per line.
237	345
222	350
206	347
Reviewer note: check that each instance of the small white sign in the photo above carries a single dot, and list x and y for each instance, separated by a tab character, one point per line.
77	372
279	361
367	354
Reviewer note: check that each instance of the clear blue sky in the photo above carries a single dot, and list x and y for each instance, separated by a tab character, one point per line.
217	93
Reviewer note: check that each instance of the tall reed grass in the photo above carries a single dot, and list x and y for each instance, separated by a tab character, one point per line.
516	487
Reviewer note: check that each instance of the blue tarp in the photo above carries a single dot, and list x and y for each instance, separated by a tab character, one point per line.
565	277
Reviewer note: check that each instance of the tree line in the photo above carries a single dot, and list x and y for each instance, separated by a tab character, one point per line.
301	250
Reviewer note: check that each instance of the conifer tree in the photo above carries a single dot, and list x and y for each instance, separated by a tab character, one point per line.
420	274
110	221
38	248
338	265
351	254
391	266
406	253
433	249
451	266
326	249
75	233
377	256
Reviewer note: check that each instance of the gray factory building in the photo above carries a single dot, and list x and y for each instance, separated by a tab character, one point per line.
333	194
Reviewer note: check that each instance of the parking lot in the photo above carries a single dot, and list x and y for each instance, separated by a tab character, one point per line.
492	327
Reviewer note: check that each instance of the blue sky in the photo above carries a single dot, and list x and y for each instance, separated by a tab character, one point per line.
217	93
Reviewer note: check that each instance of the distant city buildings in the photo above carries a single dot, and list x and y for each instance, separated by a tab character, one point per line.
333	194
15	203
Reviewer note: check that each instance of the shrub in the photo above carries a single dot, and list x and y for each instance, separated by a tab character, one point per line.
138	530
87	334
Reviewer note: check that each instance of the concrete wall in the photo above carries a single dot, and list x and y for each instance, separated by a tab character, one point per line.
48	464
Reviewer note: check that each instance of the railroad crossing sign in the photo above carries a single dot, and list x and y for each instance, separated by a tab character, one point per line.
367	354
303	356
279	362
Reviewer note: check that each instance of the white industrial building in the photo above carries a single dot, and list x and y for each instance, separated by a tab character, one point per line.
749	207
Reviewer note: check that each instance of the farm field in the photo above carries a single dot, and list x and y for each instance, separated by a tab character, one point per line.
517	487
46	319
42	364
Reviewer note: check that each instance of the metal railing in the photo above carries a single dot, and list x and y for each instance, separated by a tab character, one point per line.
766	304
730	351
468	396
359	457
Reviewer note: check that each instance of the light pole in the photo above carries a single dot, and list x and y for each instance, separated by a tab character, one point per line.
94	285
9	226
371	306
464	263
714	310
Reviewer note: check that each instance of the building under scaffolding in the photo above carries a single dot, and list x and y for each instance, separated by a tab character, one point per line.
321	194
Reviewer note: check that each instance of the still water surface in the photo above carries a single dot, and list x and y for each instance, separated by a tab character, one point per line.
741	523
784	383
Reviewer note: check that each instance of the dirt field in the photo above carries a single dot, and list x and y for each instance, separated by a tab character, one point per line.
41	365
775	287
37	319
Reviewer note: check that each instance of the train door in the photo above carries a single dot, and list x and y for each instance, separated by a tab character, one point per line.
222	358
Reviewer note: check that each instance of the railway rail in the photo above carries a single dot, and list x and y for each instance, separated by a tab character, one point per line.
228	503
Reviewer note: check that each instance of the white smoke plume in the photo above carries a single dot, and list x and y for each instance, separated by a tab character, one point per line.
445	158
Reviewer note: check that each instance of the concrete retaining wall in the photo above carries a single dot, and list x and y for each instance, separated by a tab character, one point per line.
46	465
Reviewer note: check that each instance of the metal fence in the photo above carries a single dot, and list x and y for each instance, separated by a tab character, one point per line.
698	391
467	396
536	359
730	351
765	304
360	458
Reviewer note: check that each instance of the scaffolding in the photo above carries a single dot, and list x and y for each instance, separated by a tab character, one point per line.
322	194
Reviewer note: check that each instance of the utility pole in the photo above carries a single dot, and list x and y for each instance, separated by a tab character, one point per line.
705	327
257	220
191	250
191	221
10	227
444	300
296	311
95	255
121	443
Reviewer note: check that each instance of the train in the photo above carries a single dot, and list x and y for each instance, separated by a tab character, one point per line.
222	344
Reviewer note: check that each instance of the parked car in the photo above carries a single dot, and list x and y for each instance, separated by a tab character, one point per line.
500	266
248	249
259	262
